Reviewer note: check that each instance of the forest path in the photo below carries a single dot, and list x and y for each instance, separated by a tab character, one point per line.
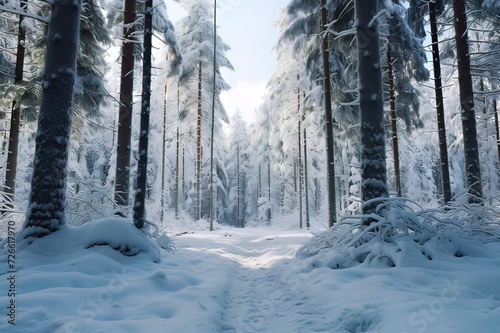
258	290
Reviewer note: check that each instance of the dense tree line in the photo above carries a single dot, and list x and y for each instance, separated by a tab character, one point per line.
350	117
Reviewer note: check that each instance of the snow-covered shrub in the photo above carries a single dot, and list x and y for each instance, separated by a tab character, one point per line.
401	236
102	235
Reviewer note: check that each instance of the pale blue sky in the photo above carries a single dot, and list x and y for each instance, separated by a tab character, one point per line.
248	27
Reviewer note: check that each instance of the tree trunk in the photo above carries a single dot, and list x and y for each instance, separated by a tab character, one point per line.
332	200
214	73
306	181
467	104
142	165
125	112
183	179
12	151
269	192
178	187
497	130
163	158
394	127
238	187
373	159
46	212
199	150
443	146
177	190
299	139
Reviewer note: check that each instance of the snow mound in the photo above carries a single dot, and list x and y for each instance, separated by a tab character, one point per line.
399	236
113	233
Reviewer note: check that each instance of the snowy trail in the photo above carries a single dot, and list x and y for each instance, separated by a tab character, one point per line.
239	281
260	292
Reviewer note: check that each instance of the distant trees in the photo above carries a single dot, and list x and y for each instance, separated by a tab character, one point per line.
238	171
311	146
415	18
196	42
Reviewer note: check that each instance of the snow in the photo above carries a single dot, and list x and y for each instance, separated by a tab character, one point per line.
237	280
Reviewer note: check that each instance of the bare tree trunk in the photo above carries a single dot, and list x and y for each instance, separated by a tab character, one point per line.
306	181
199	150
163	157
496	127
443	146
47	209
125	113
467	104
373	159
214	73
394	127
332	200
177	190
142	164
299	133
238	188
12	151
269	192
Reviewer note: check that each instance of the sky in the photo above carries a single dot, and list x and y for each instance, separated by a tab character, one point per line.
248	27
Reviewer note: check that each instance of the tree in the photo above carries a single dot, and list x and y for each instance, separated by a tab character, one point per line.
471	149
46	211
198	43
238	172
372	126
142	165
122	177
332	211
415	16
15	118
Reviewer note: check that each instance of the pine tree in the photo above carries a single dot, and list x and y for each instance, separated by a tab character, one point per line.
196	41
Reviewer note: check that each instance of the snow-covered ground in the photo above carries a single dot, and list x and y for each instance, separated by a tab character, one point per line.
237	280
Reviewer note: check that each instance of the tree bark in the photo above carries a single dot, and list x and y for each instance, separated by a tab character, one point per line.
142	164
306	181
299	148
15	119
373	159
471	150
198	146
394	127
213	120
163	159
497	130
47	209
443	146
332	200
125	112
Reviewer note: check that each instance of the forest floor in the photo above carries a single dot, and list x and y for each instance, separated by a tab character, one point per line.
237	280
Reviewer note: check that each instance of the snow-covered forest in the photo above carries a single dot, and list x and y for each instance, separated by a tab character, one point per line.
374	152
